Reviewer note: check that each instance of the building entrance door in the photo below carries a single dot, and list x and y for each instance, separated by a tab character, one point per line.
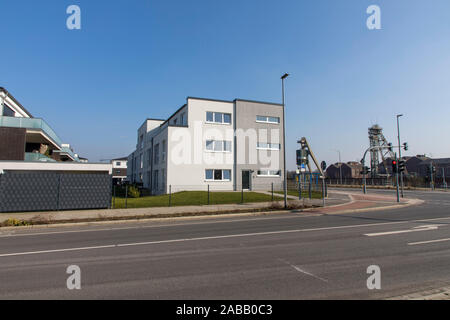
246	180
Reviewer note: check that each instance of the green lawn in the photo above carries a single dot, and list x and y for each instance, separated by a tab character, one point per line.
193	198
305	194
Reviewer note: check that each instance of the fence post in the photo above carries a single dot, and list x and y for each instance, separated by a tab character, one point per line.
208	196
323	192
114	196
126	197
309	188
272	191
242	194
170	195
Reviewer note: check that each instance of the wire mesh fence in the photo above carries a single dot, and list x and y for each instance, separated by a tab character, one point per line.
129	196
408	182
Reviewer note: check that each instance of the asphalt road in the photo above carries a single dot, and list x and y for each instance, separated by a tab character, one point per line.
289	256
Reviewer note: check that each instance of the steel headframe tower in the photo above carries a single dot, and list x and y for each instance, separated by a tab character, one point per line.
377	141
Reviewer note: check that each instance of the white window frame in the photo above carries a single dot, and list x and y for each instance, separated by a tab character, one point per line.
214	144
268	120
269	146
213	172
222	116
269	173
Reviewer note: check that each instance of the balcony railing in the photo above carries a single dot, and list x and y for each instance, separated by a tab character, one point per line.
37	157
30	123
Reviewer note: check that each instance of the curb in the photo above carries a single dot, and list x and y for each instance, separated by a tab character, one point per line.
194	216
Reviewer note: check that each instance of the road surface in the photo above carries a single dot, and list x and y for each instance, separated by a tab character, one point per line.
289	256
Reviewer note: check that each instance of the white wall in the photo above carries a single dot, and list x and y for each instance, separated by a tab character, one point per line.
188	158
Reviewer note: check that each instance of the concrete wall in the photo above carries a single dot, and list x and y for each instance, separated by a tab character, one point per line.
188	157
254	160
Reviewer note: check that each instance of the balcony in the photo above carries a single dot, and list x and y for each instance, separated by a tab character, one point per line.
33	157
32	124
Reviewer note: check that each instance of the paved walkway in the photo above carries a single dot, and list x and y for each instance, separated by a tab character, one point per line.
339	202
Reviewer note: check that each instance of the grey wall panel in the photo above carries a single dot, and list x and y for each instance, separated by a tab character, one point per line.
49	191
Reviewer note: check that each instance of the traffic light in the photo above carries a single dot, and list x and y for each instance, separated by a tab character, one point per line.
394	166
390	147
405	146
433	169
401	166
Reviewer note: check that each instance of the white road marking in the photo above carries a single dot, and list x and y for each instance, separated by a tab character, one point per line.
55	251
416	229
217	237
303	271
428	242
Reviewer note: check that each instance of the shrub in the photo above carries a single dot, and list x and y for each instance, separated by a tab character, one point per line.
15	223
133	192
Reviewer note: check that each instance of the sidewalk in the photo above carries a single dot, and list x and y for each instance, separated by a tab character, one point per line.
339	202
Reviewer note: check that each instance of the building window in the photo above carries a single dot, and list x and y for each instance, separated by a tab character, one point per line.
269	173
164	150
118	163
141	139
266	119
7	111
218	146
218	117
183	119
155	180
268	146
156	153
218	175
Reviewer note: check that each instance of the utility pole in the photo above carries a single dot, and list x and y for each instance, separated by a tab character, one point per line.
284	139
443	178
395	164
431	176
400	150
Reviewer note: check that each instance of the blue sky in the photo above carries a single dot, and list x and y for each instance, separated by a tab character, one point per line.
137	58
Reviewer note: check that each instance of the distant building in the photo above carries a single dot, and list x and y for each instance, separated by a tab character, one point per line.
350	170
119	170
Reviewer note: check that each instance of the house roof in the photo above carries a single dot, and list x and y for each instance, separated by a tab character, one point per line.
15	101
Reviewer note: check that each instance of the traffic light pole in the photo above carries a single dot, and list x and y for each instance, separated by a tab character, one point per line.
432	178
396	178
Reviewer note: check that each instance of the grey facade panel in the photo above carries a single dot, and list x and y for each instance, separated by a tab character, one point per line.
246	113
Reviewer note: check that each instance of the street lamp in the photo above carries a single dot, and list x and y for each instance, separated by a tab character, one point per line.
400	150
284	139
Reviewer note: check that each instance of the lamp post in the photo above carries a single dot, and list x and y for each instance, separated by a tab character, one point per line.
400	151
284	139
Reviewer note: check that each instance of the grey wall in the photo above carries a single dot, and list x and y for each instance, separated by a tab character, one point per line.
245	118
48	191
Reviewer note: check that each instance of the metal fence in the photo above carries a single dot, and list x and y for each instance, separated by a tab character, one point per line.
411	182
53	191
129	196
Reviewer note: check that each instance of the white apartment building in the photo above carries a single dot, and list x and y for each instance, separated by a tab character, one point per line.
119	170
216	144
